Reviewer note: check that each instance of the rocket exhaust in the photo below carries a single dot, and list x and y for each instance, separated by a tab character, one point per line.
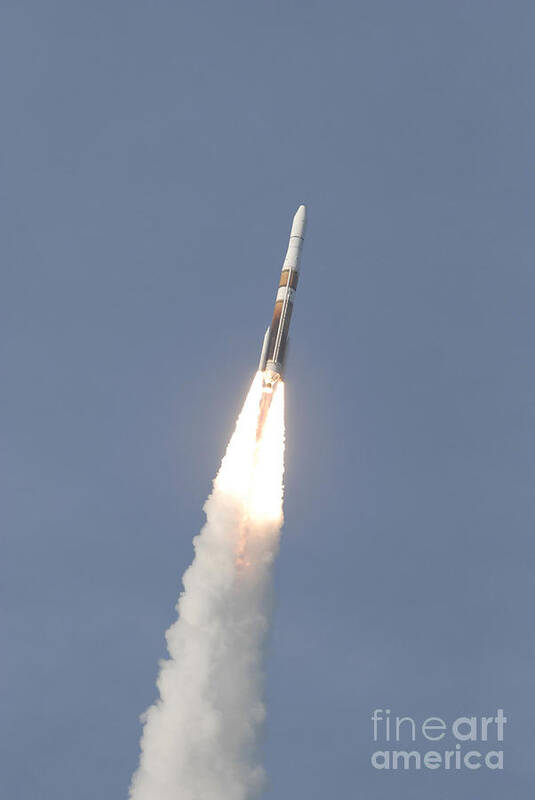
200	739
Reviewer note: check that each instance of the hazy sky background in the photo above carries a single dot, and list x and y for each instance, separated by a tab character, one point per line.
152	156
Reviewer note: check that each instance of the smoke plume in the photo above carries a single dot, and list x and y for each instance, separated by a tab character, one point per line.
200	738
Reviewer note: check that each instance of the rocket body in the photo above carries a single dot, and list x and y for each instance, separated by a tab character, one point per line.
275	344
274	352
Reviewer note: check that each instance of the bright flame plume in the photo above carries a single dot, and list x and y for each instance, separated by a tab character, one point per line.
200	737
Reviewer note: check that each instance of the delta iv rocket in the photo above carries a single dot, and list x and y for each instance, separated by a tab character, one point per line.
275	345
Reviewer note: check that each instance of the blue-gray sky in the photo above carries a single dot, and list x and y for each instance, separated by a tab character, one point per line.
152	156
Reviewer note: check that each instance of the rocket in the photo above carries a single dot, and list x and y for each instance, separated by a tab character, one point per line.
276	337
275	344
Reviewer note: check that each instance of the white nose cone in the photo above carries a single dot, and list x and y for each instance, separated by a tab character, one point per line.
299	223
297	235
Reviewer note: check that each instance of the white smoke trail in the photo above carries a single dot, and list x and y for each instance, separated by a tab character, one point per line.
200	738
